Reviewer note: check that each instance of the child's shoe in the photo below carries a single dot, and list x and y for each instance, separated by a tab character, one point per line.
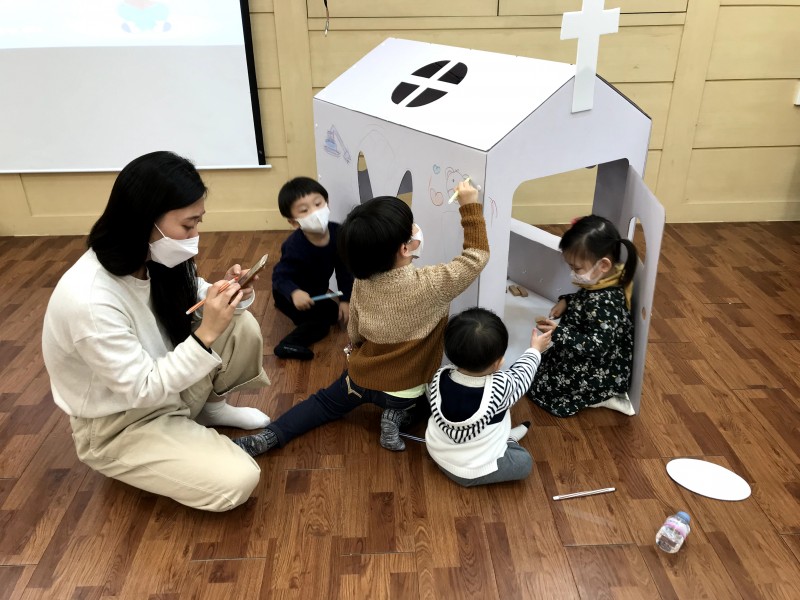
258	443
391	419
288	351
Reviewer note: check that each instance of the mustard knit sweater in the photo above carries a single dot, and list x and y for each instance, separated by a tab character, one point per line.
397	318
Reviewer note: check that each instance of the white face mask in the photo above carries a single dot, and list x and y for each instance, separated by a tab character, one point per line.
170	252
586	278
417	252
316	222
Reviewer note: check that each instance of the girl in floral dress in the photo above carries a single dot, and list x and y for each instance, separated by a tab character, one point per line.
589	363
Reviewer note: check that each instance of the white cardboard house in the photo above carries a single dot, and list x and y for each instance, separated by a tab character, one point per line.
424	116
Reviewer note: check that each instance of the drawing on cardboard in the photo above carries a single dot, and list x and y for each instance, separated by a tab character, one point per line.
364	184
492	211
453	177
448	184
406	189
333	143
437	197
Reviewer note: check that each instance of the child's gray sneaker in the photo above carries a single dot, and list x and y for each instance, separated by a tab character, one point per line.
391	419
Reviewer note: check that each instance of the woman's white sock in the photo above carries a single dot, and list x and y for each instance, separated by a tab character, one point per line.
222	414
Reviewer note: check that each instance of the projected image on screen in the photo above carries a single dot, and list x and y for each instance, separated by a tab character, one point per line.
144	16
91	84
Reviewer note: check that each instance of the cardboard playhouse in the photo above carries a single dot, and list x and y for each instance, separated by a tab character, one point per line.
412	119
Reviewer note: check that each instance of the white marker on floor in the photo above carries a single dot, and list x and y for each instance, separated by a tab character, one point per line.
580	494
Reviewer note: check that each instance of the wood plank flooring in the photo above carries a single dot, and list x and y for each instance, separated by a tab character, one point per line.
336	516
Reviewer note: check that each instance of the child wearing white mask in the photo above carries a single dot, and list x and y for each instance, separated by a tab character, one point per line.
589	364
308	259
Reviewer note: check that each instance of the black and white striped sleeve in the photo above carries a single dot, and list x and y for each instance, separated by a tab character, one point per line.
509	385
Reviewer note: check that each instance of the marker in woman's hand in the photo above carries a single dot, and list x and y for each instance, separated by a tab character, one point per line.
222	288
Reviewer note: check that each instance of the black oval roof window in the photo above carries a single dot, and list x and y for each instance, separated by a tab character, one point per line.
420	92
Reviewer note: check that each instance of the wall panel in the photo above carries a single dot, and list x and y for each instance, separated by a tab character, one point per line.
725	179
742	113
272	120
687	92
261	6
57	194
760	2
401	8
556	7
265	49
245	200
756	42
13	205
64	204
620	60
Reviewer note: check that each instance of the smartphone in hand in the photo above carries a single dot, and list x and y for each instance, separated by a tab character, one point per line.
245	279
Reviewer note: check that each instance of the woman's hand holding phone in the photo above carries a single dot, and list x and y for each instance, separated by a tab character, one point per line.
247	277
236	272
218	310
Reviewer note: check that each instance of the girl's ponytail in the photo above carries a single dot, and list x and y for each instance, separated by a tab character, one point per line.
630	261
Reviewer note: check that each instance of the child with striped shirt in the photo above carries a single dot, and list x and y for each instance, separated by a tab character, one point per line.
469	433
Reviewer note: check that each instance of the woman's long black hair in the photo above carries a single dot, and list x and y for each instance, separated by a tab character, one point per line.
593	238
147	188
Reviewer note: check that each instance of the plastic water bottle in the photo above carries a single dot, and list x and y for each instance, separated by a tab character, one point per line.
673	532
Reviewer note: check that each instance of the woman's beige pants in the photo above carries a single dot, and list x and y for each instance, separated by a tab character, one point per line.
165	452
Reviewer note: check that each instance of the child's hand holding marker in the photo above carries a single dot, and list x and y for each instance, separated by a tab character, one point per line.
463	193
326	296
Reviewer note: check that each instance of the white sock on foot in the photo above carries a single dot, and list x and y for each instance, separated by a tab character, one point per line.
518	432
619	403
222	414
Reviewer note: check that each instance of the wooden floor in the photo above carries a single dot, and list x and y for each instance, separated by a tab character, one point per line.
336	516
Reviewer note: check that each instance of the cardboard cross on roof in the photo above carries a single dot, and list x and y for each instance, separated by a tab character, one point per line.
587	25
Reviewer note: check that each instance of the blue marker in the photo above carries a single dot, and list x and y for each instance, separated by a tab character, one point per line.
326	296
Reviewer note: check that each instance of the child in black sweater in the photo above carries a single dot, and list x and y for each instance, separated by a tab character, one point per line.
308	259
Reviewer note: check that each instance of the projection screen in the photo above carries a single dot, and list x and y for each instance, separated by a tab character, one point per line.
88	85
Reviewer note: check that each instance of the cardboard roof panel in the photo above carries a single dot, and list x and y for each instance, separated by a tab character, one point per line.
470	97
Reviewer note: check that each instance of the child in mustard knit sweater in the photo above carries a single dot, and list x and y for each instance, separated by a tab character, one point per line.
398	314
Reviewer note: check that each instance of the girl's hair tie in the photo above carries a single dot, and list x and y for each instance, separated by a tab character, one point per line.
575	220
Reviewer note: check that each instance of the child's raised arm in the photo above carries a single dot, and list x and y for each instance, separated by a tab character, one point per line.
448	280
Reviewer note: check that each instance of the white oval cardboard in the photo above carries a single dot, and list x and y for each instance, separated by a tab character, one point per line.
708	479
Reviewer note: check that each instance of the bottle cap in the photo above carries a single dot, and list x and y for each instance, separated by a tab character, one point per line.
683	516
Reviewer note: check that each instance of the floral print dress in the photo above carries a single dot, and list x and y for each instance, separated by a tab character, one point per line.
591	356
